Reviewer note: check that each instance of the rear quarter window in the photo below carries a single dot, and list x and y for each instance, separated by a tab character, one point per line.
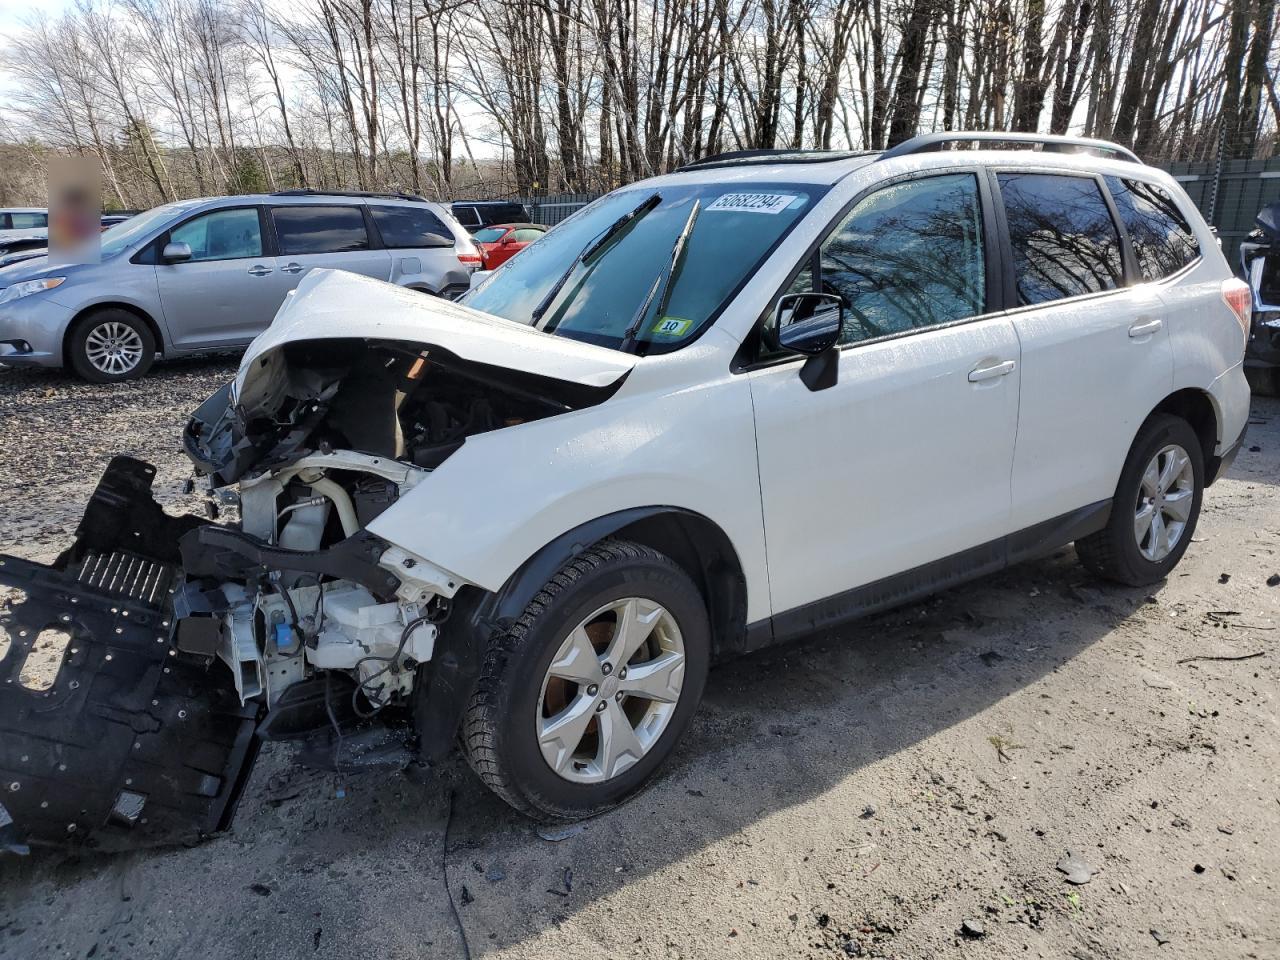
1162	238
410	227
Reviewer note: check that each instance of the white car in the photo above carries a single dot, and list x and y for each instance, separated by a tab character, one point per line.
19	223
746	402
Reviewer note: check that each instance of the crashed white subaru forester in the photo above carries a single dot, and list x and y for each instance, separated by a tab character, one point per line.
747	401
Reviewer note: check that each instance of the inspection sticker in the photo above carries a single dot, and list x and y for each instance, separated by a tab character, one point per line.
752	202
672	327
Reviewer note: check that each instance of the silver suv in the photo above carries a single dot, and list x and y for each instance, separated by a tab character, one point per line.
209	274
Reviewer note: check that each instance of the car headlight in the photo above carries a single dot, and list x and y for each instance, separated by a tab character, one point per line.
28	287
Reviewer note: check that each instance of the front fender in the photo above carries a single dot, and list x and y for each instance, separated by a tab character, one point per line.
501	498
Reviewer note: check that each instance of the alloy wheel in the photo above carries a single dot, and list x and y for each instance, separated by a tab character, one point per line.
610	690
113	348
1164	502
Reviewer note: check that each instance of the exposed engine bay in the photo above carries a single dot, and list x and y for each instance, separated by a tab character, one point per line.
190	641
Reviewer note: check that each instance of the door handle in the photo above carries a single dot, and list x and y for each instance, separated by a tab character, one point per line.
978	374
291	268
1144	328
259	271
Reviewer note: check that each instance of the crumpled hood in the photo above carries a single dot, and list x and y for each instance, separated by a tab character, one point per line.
345	351
334	304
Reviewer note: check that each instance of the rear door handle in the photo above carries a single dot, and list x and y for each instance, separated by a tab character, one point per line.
1144	328
978	374
259	271
291	268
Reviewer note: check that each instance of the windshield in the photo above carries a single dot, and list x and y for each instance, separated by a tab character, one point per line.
489	235
603	299
124	235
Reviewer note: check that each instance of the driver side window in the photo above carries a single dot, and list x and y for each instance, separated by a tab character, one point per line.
908	256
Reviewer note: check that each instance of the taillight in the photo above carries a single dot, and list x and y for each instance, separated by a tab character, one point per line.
1239	298
471	259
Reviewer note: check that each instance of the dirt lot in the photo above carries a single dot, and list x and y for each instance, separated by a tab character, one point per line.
855	796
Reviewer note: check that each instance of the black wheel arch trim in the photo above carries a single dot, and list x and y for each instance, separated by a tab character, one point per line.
446	682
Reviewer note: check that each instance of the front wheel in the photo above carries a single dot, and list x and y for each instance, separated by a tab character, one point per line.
1155	509
585	696
110	346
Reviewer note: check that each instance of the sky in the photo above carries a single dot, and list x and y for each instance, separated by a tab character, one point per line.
13	11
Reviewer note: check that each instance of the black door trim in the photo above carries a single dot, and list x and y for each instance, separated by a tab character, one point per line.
900	588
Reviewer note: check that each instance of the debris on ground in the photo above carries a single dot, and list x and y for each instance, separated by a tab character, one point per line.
1077	871
973	929
1161	939
557	832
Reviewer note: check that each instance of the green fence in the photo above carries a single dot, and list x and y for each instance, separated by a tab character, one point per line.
1243	188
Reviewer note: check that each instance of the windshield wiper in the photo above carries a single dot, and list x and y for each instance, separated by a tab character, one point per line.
589	251
664	281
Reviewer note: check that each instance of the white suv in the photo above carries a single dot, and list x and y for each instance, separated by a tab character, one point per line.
745	402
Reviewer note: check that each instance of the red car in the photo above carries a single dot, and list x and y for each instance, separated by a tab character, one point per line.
502	241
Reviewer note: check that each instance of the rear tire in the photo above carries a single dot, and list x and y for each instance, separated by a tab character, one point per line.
559	748
1155	509
111	346
1263	381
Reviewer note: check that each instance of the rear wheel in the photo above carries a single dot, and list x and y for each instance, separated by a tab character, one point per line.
1155	509
588	693
110	346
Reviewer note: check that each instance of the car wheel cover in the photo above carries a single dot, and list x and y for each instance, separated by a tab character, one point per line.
1165	498
113	348
610	691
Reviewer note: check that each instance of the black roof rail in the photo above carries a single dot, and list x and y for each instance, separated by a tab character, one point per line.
736	158
362	194
1050	142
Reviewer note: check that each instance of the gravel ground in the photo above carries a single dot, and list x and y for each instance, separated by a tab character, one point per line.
864	795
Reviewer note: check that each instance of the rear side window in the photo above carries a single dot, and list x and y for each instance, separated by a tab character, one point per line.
1064	241
466	215
314	229
410	227
1163	241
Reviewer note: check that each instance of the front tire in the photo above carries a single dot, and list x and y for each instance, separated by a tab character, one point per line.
589	691
1155	509
111	346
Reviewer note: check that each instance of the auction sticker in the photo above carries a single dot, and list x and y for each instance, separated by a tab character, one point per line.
752	202
672	327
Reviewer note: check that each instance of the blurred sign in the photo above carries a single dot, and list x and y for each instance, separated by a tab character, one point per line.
75	210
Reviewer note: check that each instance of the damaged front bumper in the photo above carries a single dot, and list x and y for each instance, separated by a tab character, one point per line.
136	733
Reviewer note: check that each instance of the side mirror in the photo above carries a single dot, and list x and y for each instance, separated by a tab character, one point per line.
508	239
176	252
810	324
